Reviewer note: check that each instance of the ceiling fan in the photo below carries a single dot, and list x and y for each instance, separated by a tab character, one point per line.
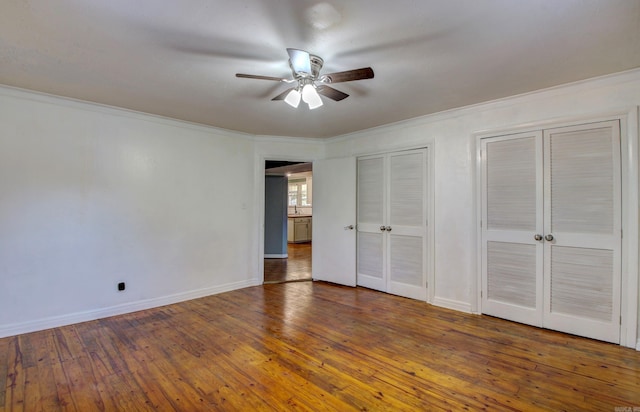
309	84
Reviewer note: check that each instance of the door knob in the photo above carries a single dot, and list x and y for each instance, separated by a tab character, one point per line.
382	228
388	228
350	227
538	237
549	237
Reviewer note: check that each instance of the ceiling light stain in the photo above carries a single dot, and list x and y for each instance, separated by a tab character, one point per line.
323	16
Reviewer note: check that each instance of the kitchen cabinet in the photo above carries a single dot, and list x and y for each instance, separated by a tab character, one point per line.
299	229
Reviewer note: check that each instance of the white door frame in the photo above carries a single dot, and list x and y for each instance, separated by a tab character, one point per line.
628	118
259	201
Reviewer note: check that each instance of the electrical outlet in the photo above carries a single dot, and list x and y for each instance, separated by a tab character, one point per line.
121	286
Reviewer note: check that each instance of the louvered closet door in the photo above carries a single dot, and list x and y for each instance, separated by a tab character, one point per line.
392	232
511	218
406	225
371	211
583	215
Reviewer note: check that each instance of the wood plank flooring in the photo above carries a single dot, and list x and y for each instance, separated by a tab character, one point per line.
310	346
295	268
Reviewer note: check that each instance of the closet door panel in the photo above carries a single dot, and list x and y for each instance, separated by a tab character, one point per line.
511	184
581	282
512	273
583	215
370	255
407	189
582	181
407	221
406	267
371	243
512	217
371	190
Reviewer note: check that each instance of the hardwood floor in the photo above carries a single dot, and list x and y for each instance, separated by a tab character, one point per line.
295	268
311	346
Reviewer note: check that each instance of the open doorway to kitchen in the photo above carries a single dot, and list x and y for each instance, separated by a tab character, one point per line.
288	221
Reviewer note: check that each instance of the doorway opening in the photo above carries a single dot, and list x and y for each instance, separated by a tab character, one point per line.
288	221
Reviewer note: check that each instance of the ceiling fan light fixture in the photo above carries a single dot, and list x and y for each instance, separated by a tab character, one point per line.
293	98
305	70
311	96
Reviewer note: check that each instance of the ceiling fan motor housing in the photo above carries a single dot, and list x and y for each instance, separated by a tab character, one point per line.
316	66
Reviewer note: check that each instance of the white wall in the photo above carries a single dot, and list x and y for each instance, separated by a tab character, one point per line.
91	196
451	134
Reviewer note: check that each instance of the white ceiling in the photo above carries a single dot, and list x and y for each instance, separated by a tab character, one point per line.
178	58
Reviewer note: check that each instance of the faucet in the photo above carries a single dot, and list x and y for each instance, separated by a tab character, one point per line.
295	209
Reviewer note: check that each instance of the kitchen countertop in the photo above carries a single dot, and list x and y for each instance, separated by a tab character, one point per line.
294	216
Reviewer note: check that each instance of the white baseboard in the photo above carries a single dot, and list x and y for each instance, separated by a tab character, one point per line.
638	345
271	256
69	319
452	304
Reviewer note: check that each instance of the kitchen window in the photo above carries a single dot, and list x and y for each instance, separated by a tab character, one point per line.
298	193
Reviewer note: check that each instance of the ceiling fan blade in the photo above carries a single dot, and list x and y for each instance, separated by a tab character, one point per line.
349	75
255	76
331	93
300	61
283	95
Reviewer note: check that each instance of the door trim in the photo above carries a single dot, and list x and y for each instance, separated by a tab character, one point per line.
259	187
628	118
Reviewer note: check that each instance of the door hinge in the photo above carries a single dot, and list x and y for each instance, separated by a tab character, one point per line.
621	233
481	295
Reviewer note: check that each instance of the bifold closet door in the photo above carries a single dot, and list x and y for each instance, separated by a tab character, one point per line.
512	225
583	226
551	229
406	227
392	226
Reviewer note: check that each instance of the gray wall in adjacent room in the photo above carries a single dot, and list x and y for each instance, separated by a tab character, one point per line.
275	215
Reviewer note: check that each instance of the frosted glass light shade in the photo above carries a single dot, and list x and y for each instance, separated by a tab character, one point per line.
311	96
293	98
